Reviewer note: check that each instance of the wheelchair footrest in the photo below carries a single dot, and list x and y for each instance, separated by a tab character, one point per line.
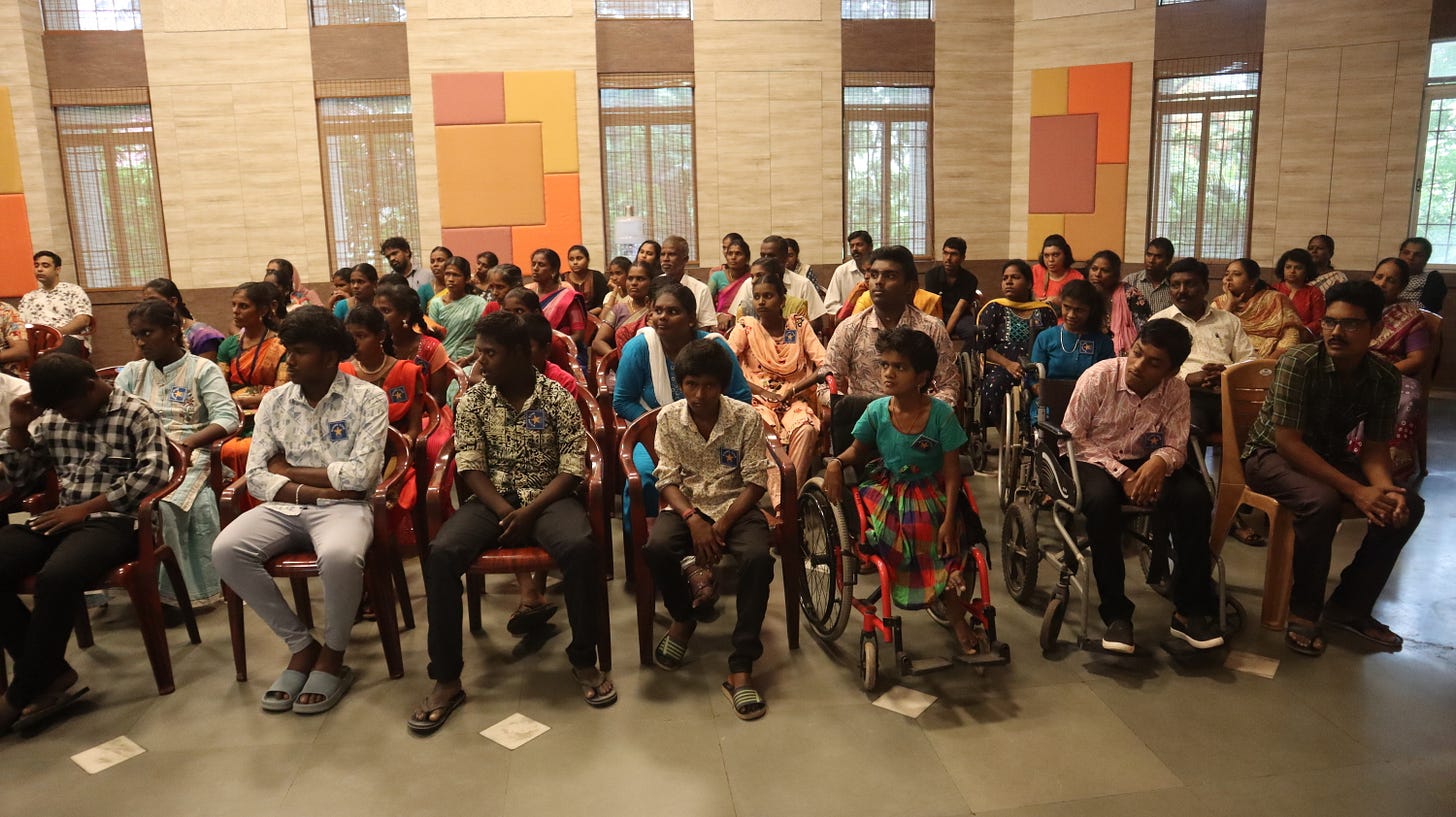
998	656
921	666
1094	645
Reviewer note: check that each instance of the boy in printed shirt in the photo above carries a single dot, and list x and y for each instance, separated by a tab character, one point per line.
712	472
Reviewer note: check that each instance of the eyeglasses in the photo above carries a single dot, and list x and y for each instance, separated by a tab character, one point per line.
1347	324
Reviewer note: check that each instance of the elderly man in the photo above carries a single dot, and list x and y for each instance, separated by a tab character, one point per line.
674	269
1219	339
849	273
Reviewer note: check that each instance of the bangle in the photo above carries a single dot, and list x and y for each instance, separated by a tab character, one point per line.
834	460
297	489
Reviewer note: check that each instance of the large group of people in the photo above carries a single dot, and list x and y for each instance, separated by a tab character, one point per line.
725	359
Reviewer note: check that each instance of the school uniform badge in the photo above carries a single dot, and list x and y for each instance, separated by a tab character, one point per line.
1086	347
923	444
179	394
1152	441
535	419
791	336
338	431
398	395
728	457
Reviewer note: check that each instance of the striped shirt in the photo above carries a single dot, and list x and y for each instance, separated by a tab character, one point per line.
1112	425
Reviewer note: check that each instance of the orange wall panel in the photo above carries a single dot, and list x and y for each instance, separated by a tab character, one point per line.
468	242
17	273
9	153
1105	90
469	99
1038	227
562	227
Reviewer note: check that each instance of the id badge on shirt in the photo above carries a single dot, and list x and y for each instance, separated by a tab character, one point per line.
924	444
1151	442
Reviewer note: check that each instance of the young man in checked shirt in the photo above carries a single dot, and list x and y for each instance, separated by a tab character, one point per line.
520	449
109	451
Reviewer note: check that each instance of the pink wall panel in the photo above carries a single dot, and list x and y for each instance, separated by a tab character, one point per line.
468	242
1063	164
469	99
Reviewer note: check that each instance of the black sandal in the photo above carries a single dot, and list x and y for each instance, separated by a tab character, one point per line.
527	619
1313	636
1368	629
427	725
747	703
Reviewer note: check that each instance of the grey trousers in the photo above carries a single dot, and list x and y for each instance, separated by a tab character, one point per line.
338	534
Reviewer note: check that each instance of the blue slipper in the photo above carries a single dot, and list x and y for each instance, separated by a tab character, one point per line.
332	687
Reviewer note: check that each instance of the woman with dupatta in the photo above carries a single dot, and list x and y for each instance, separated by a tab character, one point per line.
1268	315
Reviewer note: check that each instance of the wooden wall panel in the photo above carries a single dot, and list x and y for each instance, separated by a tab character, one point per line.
360	52
95	59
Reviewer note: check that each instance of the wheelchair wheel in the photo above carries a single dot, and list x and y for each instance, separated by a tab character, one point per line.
1155	556
936	611
1020	551
823	597
1051	622
869	661
1234	616
977	449
1008	464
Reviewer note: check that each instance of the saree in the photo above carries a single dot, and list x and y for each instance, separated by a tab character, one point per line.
726	295
458	317
1268	318
1402	331
1128	310
249	371
557	308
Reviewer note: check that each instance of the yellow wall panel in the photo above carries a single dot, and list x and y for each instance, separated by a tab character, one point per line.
548	97
1038	227
1049	92
1103	228
9	151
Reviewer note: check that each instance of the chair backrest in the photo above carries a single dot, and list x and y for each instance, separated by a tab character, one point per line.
459	374
108	373
41	338
1433	328
642	431
590	413
1244	387
606	375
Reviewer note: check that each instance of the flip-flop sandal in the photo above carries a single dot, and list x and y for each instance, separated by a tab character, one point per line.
525	619
1249	536
747	703
428	726
65	701
1313	636
592	680
290	682
669	653
332	687
1361	627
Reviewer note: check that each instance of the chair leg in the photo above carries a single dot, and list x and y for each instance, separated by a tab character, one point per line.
174	576
629	572
401	589
474	589
235	629
382	589
303	604
84	636
1225	508
791	563
147	601
1278	571
646	601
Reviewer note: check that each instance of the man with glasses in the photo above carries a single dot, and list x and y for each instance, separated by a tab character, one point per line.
1297	453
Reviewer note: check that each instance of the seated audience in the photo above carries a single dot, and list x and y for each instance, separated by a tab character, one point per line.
500	280
1267	315
744	305
674	268
912	486
202	340
1294	274
1129	420
725	282
798	286
409	338
281	273
14	342
253	359
794	264
1126	309
540	334
957	287
190	395
1152	279
317	454
1054	272
523	302
1322	249
108	450
1297	454
727	241
626	315
924	300
1009	326
401	258
1426	287
712	473
457	307
783	362
616	284
484	262
1218	340
589	283
402	381
363	279
58	304
650	252
438	257
561	304
520	450
1404	342
850	273
340	282
1071	348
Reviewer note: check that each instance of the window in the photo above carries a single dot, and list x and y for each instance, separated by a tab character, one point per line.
348	12
108	162
1174	2
1203	155
885	9
887	164
91	15
646	9
647	156
368	148
1434	211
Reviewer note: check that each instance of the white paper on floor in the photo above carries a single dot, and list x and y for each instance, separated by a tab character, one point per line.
515	731
906	701
103	757
1259	665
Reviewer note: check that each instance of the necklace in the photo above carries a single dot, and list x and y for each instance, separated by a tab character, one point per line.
1061	337
373	374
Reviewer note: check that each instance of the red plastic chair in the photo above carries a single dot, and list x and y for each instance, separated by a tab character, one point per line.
42	339
139	577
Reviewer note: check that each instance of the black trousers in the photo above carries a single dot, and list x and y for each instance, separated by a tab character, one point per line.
1317	510
562	531
1205	409
1183	509
671	542
63	566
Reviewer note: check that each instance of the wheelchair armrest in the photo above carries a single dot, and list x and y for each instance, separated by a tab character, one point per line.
1055	432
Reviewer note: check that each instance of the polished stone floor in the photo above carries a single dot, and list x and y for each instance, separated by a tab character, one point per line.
1351	733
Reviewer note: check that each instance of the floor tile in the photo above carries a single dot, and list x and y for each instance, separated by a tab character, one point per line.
1341	792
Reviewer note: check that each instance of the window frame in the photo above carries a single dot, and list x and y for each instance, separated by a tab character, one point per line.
46	13
1436	88
647	211
627	15
325	131
848	14
314	6
848	115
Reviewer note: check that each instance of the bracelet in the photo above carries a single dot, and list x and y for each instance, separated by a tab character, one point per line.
834	460
297	489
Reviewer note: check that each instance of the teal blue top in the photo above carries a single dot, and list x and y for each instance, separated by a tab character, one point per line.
910	456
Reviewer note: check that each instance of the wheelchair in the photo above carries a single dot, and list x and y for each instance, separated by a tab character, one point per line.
1013	463
969	362
833	549
1051	485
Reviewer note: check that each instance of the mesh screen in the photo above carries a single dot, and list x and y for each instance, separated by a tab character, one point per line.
646	9
108	161
886	9
887	164
368	151
91	15
1436	197
1205	115
348	12
647	155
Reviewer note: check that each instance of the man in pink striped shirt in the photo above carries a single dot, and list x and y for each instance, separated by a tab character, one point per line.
1129	420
